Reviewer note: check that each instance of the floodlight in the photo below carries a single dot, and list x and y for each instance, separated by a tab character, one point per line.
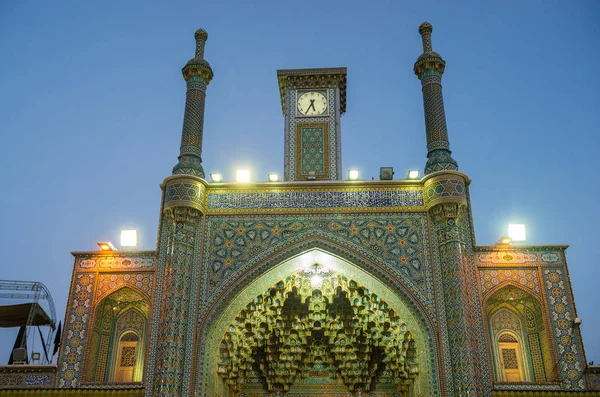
216	178
129	239
35	356
517	232
413	174
386	173
273	178
353	175
106	246
243	176
504	241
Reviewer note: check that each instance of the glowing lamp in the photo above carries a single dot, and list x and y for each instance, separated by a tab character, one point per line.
316	280
243	176
273	178
106	246
353	175
129	239
413	174
517	232
504	241
217	178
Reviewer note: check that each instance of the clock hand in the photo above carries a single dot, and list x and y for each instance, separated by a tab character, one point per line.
312	105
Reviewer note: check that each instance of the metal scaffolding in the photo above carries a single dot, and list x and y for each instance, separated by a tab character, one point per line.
32	292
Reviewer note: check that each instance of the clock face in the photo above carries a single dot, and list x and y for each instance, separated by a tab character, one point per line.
312	104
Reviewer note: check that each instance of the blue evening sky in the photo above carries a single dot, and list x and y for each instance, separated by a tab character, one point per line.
92	100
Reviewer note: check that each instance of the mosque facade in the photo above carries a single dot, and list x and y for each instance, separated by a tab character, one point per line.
315	285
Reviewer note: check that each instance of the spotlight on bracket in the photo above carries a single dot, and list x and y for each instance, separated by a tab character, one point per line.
386	173
353	175
273	178
217	178
504	241
106	246
413	174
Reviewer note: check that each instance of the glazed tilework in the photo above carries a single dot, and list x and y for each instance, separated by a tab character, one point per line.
462	337
561	310
398	240
184	191
437	189
240	235
312	150
307	199
26	376
292	164
108	282
512	256
122	261
491	278
75	333
429	68
166	232
197	74
175	337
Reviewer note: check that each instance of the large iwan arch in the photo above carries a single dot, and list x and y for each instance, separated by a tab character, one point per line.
234	299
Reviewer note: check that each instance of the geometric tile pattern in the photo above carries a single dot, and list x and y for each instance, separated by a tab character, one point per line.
429	69
110	282
74	336
312	150
197	74
559	299
396	240
173	333
464	348
528	278
437	189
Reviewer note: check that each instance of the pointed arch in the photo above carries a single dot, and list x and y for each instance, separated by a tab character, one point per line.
516	310
119	312
268	267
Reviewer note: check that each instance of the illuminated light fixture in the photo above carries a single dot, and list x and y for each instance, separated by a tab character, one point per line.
243	176
413	174
106	246
273	178
504	241
129	239
353	175
316	280
216	178
517	232
386	173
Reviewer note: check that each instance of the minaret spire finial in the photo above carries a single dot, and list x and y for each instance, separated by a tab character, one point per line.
201	37
425	30
197	74
429	69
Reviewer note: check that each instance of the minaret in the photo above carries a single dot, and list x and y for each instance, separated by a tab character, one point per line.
175	312
447	203
429	69
197	74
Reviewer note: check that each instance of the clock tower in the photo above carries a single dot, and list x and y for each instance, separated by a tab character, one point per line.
312	101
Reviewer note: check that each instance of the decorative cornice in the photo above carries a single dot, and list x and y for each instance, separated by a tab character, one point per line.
312	78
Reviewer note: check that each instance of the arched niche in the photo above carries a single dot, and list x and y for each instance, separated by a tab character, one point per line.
211	332
121	314
518	336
